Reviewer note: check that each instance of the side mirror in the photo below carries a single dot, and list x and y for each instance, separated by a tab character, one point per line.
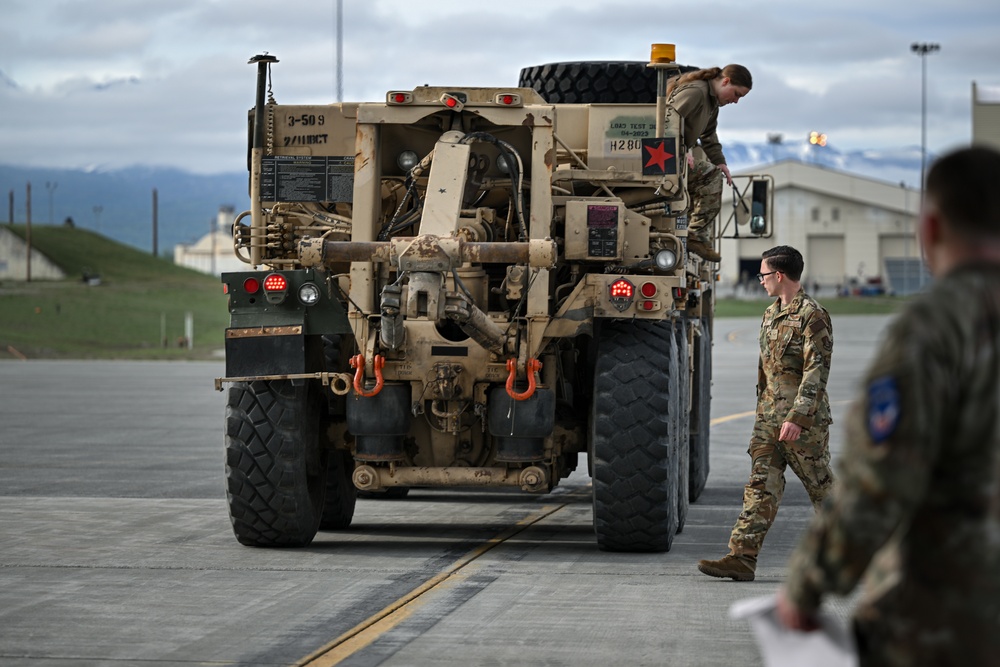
758	208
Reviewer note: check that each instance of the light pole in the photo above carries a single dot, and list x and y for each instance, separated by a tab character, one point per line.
340	50
923	49
97	216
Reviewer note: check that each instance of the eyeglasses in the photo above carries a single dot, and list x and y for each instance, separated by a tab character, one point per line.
760	276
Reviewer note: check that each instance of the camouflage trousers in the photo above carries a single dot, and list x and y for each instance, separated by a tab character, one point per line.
705	189
809	459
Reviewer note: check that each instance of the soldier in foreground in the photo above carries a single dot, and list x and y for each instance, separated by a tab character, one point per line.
793	411
921	470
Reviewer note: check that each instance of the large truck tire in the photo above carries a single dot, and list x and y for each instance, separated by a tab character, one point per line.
276	470
633	439
341	494
701	410
611	82
683	426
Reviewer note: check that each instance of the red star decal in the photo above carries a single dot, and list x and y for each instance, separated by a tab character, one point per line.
658	156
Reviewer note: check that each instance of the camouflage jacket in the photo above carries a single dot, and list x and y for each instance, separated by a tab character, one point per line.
696	103
796	345
921	474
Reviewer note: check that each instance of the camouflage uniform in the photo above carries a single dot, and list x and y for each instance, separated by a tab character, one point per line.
695	101
705	188
921	477
796	344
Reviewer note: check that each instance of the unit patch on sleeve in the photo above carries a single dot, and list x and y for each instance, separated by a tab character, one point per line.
883	408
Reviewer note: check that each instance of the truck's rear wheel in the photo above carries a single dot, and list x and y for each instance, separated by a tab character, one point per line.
633	439
275	467
621	82
701	410
341	495
683	427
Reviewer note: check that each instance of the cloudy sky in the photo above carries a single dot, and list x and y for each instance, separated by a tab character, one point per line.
115	83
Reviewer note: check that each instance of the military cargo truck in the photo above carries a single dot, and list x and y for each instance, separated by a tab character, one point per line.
470	287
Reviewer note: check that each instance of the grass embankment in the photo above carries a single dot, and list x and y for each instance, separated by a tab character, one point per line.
856	305
118	319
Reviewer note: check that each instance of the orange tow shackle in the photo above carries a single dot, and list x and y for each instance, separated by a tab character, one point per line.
358	362
534	365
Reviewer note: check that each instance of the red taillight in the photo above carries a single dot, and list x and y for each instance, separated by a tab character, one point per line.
620	294
275	283
648	290
398	97
648	305
621	289
251	285
455	101
508	99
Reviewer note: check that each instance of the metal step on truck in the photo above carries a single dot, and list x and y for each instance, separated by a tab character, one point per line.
471	287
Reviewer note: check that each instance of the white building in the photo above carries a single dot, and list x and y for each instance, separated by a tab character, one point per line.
14	260
212	253
986	115
846	227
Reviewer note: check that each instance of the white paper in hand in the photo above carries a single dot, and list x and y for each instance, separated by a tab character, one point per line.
830	646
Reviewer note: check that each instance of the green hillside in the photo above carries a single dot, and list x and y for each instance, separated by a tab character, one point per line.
136	312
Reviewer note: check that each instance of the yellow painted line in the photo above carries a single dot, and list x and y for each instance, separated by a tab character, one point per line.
729	418
369	630
752	413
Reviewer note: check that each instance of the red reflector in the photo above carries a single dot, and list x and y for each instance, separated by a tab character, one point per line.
251	285
648	290
648	305
451	102
678	293
225	288
622	289
275	283
508	99
400	98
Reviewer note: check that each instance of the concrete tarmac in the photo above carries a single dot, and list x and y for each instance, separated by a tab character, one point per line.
116	547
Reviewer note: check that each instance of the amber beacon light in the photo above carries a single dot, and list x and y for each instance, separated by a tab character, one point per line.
663	53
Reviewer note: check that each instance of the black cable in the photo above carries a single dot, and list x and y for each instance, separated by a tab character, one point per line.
510	156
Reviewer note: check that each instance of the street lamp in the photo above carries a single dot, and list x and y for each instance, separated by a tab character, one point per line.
816	139
923	49
97	216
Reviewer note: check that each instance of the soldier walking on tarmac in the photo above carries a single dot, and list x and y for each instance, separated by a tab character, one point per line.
793	411
697	97
920	476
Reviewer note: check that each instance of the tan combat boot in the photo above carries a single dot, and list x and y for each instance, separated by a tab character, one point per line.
703	249
734	567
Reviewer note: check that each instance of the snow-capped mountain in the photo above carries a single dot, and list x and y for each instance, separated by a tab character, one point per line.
117	202
890	165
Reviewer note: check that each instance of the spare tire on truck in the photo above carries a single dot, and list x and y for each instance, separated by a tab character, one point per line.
613	82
